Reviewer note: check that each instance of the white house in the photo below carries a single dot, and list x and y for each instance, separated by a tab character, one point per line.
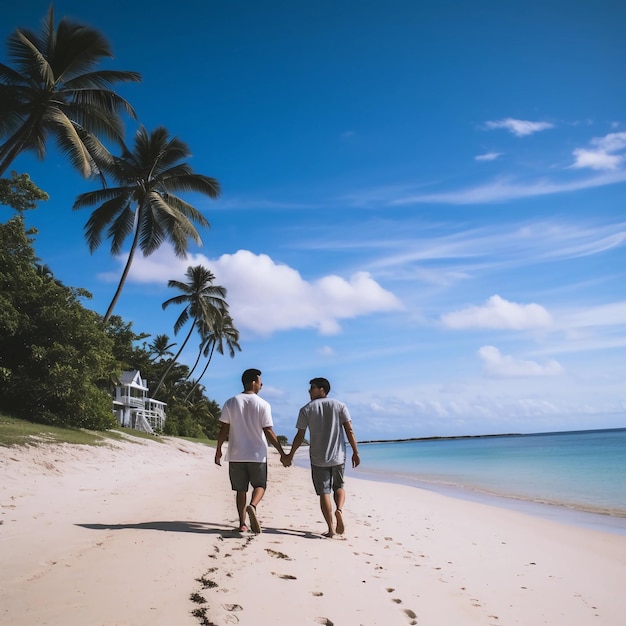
133	408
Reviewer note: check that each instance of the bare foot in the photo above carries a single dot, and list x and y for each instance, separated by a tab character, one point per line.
329	535
340	527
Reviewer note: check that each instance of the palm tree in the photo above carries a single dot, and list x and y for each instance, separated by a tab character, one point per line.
223	331
204	302
144	204
160	348
55	90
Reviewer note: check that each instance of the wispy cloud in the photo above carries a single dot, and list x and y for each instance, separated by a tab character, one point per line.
489	156
326	351
509	245
233	203
498	365
520	128
606	153
506	189
498	313
612	314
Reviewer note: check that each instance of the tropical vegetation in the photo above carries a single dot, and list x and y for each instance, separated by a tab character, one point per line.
59	360
143	204
54	89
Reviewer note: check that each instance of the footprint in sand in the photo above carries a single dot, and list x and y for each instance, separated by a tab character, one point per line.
324	621
278	555
284	576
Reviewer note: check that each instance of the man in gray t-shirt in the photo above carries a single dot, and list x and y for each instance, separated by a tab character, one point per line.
327	420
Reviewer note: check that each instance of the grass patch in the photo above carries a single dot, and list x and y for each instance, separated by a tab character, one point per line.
203	440
15	431
18	432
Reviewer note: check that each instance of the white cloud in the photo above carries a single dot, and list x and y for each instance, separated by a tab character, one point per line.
498	365
520	128
326	351
500	314
602	155
265	296
489	156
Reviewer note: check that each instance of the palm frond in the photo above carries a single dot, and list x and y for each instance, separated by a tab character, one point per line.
103	217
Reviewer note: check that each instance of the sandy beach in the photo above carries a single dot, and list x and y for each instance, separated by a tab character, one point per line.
140	533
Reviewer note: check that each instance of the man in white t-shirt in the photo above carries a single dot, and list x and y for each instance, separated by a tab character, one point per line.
247	426
327	420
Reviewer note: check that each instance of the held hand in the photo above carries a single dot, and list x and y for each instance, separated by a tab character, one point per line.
285	460
356	460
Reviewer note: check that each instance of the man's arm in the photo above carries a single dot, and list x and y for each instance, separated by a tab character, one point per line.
356	461
221	439
296	443
270	435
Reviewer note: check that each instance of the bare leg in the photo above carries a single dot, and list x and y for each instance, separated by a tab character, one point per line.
257	495
340	498
327	512
241	507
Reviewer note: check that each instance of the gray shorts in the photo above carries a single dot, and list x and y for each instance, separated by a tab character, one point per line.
327	479
244	474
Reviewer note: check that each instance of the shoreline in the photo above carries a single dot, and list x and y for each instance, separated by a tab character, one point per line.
129	533
491	435
555	511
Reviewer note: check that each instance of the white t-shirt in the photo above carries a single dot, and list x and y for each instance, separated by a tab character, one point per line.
247	415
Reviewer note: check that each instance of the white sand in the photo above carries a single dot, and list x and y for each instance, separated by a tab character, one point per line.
125	534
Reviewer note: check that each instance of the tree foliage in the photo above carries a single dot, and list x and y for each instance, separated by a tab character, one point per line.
54	357
143	204
55	89
20	192
59	364
203	303
59	361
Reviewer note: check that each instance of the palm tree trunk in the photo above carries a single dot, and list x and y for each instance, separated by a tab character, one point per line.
202	374
12	147
174	359
120	286
191	371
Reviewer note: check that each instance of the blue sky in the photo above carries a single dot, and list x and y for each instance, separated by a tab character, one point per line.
422	201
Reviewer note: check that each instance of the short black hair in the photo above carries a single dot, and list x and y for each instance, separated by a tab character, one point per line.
250	376
321	383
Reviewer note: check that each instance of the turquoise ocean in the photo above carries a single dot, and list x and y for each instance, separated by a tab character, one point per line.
575	477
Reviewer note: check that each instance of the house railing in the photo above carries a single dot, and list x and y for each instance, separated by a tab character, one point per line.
148	421
132	401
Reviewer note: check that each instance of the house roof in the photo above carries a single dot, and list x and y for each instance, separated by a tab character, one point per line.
132	379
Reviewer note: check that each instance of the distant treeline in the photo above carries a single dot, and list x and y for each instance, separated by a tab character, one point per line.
439	438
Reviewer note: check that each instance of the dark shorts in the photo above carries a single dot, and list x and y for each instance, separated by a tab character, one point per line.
327	479
244	474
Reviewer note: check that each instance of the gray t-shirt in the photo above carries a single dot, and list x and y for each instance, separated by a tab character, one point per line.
325	417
